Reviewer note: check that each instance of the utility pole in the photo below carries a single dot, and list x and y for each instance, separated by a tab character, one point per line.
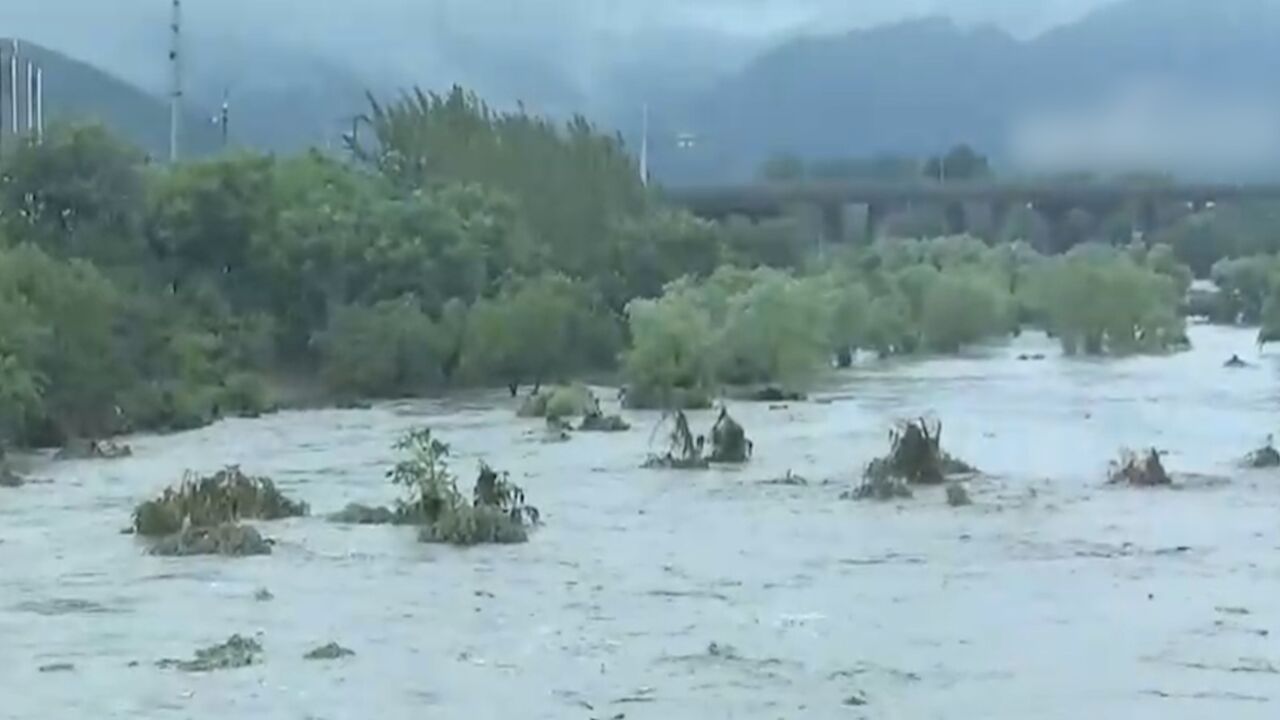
644	148
224	119
40	105
13	87
175	100
31	99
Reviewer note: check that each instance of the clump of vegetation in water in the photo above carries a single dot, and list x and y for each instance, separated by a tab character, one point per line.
227	496
357	514
1139	470
597	421
684	451
497	513
93	450
8	478
236	652
916	457
558	402
330	651
1264	457
229	540
729	442
958	495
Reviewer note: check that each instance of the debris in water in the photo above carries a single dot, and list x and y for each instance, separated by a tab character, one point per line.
718	650
558	430
229	540
331	651
1235	362
789	479
236	652
1264	457
684	451
357	514
879	487
957	495
1232	610
776	394
227	496
1139	471
729	442
57	667
857	699
263	595
93	450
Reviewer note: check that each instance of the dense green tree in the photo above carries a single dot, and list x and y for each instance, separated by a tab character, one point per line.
537	330
80	193
960	163
1099	301
388	349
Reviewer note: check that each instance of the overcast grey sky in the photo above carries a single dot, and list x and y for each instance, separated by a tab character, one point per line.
411	38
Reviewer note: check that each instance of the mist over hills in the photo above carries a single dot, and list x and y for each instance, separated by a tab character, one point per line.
1182	86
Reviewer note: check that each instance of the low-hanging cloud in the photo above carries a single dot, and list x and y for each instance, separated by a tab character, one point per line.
435	41
1154	128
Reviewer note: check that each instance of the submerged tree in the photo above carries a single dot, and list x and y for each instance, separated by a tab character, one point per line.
1100	302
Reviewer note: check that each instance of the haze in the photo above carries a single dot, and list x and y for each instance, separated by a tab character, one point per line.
480	42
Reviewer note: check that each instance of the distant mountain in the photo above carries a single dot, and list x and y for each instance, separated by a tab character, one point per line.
76	92
1186	86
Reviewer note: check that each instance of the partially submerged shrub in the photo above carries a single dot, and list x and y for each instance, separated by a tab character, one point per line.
330	651
9	478
77	449
1144	470
357	514
880	487
673	398
729	442
597	421
558	402
498	512
684	451
227	496
958	495
229	540
236	652
1264	457
916	457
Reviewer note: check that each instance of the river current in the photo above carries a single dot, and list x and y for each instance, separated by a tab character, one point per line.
656	594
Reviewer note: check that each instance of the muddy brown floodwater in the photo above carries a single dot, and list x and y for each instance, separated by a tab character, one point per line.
654	594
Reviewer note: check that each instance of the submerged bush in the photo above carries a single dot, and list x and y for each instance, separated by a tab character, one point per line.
498	512
559	402
227	496
916	456
1264	457
236	652
1144	470
729	443
684	451
229	539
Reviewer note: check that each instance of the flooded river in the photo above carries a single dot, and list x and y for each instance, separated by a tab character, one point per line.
652	594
